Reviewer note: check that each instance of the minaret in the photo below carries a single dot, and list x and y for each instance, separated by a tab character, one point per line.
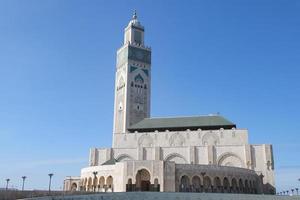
133	78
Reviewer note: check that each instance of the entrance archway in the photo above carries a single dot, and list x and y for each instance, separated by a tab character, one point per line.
234	185
196	184
226	185
207	184
217	185
129	185
109	184
101	184
74	187
143	180
184	184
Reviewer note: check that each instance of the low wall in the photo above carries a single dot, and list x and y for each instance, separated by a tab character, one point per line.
15	194
167	196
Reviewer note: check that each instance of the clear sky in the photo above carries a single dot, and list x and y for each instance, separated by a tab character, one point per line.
57	64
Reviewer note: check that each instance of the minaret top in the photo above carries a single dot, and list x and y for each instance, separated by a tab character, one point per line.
134	32
134	21
134	15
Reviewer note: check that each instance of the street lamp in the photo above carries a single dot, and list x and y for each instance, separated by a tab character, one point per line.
7	180
95	176
23	177
50	177
292	191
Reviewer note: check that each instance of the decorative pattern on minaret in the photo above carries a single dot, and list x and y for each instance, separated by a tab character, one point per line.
133	78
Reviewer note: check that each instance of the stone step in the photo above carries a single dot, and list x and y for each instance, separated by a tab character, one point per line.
166	196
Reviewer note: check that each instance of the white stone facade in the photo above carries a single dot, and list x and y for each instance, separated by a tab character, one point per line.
72	183
215	158
211	147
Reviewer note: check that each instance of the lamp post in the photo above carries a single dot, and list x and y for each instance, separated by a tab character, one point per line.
292	191
297	190
7	181
95	176
50	177
23	182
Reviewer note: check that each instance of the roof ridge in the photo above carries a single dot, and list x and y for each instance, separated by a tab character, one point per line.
168	117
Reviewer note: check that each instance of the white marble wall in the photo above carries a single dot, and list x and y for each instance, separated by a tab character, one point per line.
217	147
181	138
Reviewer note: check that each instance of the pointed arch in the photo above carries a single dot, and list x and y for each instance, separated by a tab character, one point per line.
226	185
124	157
234	185
184	184
176	140
207	184
196	184
145	141
143	180
210	139
177	158
109	183
90	182
139	79
230	159
121	83
217	184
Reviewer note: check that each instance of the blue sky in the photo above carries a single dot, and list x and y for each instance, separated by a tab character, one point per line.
57	63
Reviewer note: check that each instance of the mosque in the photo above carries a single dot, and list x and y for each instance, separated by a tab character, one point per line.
169	154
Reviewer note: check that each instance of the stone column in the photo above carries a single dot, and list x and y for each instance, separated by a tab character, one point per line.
192	155
157	153
140	152
211	154
248	160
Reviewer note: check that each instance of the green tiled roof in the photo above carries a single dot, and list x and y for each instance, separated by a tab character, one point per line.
110	162
183	123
